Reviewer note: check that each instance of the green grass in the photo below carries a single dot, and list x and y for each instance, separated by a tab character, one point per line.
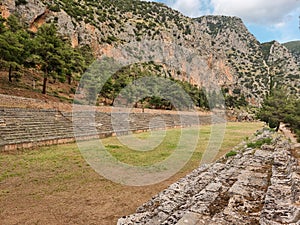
143	158
52	159
65	162
259	143
231	153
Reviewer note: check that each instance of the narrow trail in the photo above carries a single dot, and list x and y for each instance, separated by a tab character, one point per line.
295	145
287	132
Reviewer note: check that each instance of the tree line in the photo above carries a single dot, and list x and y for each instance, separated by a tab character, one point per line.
106	87
55	58
44	50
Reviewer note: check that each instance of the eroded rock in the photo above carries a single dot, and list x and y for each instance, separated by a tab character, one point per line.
257	186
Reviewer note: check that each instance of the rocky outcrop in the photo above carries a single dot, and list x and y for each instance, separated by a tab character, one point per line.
256	186
229	36
7	7
256	65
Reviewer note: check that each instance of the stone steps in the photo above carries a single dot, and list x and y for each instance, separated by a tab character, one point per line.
257	186
282	202
36	125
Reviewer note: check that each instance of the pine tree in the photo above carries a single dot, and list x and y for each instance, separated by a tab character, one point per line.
273	110
48	53
54	57
10	51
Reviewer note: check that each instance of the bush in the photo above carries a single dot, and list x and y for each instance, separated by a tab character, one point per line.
54	8
298	135
21	2
259	143
18	75
231	153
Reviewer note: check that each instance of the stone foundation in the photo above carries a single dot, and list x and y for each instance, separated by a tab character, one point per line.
257	186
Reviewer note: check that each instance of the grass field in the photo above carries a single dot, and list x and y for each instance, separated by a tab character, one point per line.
55	185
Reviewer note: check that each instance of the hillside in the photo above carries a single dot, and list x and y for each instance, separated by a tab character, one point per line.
294	48
282	66
230	55
230	37
253	63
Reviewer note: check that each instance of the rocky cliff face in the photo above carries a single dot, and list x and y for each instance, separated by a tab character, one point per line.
230	56
258	67
282	66
229	36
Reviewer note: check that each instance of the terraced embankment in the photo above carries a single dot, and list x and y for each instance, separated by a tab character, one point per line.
27	128
256	186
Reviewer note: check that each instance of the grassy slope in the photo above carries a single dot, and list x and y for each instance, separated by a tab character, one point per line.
55	185
293	46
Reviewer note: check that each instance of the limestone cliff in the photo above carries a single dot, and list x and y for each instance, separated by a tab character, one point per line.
230	55
282	66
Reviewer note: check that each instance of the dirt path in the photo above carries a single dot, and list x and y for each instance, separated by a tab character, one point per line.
57	186
295	145
287	132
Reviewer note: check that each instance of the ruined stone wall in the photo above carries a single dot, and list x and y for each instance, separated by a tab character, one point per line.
256	186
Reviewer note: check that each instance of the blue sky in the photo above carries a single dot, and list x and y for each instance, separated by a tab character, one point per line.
267	19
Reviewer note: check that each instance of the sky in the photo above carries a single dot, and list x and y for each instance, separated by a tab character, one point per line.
267	19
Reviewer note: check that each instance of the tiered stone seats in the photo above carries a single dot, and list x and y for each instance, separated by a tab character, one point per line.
28	127
257	186
23	128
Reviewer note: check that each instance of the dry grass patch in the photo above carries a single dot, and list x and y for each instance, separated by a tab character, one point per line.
55	185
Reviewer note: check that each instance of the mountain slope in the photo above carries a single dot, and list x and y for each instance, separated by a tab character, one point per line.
294	48
282	66
230	55
230	37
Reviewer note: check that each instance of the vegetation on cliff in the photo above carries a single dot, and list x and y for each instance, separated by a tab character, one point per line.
55	59
293	46
244	68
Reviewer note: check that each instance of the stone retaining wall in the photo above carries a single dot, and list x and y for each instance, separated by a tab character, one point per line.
257	186
9	101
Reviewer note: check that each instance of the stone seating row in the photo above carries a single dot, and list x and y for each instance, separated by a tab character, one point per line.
19	126
256	186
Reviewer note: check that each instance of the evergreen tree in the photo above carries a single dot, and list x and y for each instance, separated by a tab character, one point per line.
292	116
54	57
48	54
10	51
273	110
279	107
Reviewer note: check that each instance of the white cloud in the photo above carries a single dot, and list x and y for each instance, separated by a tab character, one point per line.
269	19
268	12
190	8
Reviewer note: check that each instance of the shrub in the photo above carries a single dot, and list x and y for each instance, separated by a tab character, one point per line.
259	143
21	2
113	146
54	8
231	153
